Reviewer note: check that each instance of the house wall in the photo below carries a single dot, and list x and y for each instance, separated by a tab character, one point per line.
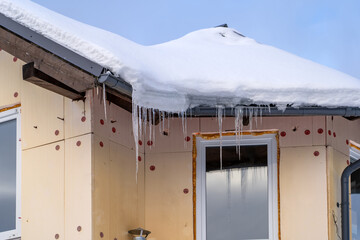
303	184
339	132
56	172
163	195
118	192
79	176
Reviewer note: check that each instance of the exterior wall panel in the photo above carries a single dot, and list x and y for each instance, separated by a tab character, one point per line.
168	196
42	116
43	192
78	188
303	193
10	78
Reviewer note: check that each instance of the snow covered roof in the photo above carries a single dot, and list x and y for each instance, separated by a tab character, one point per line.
215	66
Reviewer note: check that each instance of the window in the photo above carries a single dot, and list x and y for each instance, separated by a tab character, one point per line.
10	170
239	200
355	194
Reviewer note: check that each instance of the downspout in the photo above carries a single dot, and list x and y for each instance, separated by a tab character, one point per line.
345	216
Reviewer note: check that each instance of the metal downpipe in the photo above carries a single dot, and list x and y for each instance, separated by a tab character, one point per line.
345	216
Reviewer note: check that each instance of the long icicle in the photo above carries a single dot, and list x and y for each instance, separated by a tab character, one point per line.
251	111
150	124
140	123
104	101
135	121
153	126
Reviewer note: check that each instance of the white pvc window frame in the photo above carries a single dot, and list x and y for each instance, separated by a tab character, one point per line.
6	116
246	140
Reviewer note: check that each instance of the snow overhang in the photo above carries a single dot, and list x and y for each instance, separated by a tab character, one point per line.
125	89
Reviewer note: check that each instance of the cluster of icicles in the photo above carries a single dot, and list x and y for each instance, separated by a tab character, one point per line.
143	118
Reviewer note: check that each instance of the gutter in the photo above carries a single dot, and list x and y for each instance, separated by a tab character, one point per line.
116	83
289	111
345	216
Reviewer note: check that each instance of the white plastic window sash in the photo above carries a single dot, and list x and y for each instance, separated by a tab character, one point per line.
6	116
246	140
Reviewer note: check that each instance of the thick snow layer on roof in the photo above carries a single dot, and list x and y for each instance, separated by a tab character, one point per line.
216	66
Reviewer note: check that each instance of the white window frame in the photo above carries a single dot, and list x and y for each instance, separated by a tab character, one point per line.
246	140
6	116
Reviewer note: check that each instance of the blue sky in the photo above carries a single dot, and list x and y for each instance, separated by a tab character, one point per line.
325	31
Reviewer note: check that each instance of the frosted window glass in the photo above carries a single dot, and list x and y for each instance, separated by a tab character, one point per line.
7	175
237	196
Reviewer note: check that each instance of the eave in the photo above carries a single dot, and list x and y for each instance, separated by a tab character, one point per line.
52	66
58	69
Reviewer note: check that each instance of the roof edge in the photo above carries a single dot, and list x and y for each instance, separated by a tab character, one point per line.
51	46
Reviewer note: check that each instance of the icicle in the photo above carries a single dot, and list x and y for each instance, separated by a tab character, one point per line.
261	116
160	122
140	123
135	123
220	120
104	101
168	122
163	122
185	128
238	127
182	122
185	119
256	117
250	117
150	124
144	115
153	126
